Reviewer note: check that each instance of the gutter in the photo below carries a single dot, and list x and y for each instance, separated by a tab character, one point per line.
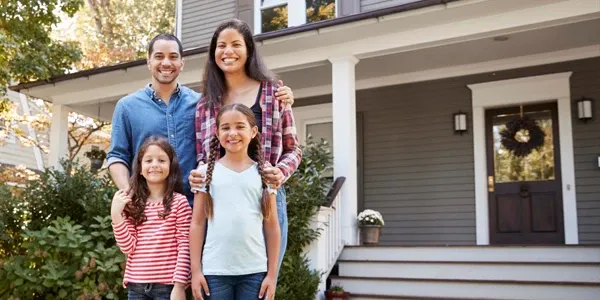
259	38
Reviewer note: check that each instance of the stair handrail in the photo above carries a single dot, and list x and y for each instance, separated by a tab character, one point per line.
334	190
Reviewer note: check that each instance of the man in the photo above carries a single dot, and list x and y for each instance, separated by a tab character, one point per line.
165	108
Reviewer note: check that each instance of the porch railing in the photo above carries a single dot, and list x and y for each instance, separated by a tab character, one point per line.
324	252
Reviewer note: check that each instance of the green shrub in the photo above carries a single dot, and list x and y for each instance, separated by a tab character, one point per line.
65	261
306	191
76	193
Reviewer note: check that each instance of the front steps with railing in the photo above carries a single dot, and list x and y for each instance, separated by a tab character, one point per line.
471	272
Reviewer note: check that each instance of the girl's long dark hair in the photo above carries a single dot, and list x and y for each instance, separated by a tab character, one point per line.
254	151
137	182
213	82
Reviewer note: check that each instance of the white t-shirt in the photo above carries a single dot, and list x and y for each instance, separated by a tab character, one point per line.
235	243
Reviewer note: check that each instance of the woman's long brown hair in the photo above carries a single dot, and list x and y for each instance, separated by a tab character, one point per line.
135	209
254	152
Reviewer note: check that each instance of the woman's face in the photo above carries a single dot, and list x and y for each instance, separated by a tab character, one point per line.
231	52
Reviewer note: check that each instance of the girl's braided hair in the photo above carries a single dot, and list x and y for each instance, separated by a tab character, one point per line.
254	151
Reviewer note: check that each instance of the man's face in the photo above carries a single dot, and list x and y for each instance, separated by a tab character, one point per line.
165	63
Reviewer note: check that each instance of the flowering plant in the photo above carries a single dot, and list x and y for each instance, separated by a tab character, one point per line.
370	217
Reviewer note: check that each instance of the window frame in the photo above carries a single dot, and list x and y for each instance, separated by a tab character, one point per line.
258	8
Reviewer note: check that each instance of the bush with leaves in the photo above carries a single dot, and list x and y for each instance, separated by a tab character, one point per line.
306	191
65	261
76	193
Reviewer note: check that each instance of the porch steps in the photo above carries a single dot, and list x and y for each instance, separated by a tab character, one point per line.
471	272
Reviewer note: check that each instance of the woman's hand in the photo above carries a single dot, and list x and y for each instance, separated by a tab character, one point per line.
119	202
178	292
284	94
267	289
199	285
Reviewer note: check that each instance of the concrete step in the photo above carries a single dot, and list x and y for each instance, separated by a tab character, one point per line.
522	271
423	288
554	254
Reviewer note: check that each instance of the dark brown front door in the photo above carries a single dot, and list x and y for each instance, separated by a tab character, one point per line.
524	193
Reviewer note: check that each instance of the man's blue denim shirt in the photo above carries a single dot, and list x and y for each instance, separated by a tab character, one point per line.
143	114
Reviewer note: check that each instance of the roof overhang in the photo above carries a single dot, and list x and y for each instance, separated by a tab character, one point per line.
414	27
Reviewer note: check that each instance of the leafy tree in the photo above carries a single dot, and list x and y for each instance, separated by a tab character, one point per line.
27	51
114	31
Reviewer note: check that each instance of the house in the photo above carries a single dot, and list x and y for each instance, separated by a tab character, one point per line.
417	93
12	153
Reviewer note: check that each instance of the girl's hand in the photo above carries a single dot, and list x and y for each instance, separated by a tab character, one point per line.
178	292
119	202
199	284
267	289
273	176
196	177
284	94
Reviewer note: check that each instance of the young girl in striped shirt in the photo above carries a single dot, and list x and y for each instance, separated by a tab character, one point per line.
151	224
237	261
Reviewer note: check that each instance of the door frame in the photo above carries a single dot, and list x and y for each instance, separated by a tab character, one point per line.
521	91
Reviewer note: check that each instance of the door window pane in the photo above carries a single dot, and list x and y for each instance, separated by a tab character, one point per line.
537	166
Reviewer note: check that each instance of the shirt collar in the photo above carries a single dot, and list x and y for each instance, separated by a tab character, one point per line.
152	93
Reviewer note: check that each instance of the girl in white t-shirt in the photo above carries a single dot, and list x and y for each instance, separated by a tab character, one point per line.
238	259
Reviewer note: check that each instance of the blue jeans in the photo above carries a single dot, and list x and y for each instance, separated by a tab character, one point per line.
283	223
149	291
240	287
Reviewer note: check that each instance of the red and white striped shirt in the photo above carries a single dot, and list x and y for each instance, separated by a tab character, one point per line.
158	249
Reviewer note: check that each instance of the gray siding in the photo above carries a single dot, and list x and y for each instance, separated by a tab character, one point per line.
416	171
368	5
201	17
419	174
585	81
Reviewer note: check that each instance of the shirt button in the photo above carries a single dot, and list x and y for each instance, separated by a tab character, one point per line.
172	135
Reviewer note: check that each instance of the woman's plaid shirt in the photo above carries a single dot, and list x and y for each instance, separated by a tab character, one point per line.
279	140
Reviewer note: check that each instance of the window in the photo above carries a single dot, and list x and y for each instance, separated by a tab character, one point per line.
319	130
273	15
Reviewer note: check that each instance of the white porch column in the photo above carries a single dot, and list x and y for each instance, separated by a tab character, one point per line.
58	134
344	141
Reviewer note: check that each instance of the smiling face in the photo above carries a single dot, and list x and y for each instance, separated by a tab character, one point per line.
235	132
155	165
231	52
165	62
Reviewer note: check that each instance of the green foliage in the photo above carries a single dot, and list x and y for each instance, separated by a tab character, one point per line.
306	191
27	51
65	261
74	193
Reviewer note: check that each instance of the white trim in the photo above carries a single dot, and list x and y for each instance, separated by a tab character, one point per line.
59	128
315	121
296	12
516	92
311	114
179	18
485	24
462	70
36	150
257	17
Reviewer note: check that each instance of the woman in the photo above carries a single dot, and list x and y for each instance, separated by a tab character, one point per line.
235	73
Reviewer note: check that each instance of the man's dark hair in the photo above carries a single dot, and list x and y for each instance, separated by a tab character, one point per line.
165	37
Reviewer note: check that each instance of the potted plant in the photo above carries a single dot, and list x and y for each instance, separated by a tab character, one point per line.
96	157
370	223
336	292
